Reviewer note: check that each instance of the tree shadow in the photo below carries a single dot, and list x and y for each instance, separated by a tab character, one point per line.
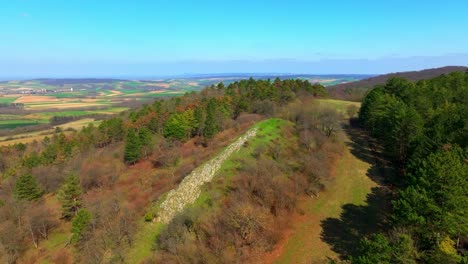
367	149
357	221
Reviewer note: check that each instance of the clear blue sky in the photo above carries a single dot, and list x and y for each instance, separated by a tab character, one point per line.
160	37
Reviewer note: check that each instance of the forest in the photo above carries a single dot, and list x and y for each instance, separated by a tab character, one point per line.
79	197
422	127
93	195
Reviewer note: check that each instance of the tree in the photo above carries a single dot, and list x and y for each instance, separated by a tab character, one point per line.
380	249
70	196
177	127
329	121
211	125
132	147
146	142
27	188
39	220
79	224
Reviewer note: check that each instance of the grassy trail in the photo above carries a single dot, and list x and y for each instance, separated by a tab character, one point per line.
304	242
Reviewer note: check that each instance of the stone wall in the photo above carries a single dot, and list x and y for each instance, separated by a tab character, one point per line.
189	189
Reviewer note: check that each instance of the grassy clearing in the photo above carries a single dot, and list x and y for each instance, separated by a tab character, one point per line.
351	185
338	105
268	130
144	241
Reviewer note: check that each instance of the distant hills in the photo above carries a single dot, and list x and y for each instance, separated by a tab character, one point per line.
356	90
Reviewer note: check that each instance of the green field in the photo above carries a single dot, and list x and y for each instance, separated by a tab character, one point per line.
15	123
7	100
47	98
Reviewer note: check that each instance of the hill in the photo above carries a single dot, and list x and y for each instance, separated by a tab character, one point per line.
102	194
356	90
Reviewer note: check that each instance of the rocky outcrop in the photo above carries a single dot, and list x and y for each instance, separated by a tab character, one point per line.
189	189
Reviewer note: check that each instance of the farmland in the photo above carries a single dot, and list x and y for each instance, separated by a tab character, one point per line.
27	106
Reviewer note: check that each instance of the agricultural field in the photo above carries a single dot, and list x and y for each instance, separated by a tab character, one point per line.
29	105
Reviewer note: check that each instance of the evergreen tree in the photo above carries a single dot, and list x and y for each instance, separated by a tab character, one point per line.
79	224
200	118
211	124
146	141
180	125
27	188
70	196
132	147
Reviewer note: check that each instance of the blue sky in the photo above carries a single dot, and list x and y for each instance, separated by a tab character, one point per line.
77	38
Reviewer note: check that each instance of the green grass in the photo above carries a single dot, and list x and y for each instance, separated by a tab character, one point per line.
66	113
350	185
14	123
268	131
339	105
83	112
144	241
56	240
68	94
164	94
7	100
127	91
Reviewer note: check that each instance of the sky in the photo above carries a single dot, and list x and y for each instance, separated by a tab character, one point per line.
144	38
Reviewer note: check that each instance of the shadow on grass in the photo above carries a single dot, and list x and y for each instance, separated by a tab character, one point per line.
357	221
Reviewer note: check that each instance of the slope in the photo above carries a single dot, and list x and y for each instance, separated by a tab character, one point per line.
356	90
315	235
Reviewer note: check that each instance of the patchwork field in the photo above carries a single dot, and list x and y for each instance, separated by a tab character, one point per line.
27	106
39	135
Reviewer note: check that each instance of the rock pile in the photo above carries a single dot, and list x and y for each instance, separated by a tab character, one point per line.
189	189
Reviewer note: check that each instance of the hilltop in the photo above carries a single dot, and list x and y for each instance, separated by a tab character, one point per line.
356	90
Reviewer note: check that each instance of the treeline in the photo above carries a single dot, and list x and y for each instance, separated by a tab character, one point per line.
423	128
81	168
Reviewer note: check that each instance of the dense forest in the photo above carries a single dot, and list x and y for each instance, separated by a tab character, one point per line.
355	91
422	127
94	185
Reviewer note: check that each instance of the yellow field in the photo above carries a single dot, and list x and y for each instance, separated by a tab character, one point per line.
39	135
35	99
62	105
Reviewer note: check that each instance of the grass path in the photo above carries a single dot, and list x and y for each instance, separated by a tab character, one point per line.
303	243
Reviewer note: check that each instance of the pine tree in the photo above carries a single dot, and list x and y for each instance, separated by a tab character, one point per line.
27	188
80	223
132	147
146	141
211	125
70	196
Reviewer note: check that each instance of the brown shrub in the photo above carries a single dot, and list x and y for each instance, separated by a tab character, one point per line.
50	177
100	172
167	159
62	256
